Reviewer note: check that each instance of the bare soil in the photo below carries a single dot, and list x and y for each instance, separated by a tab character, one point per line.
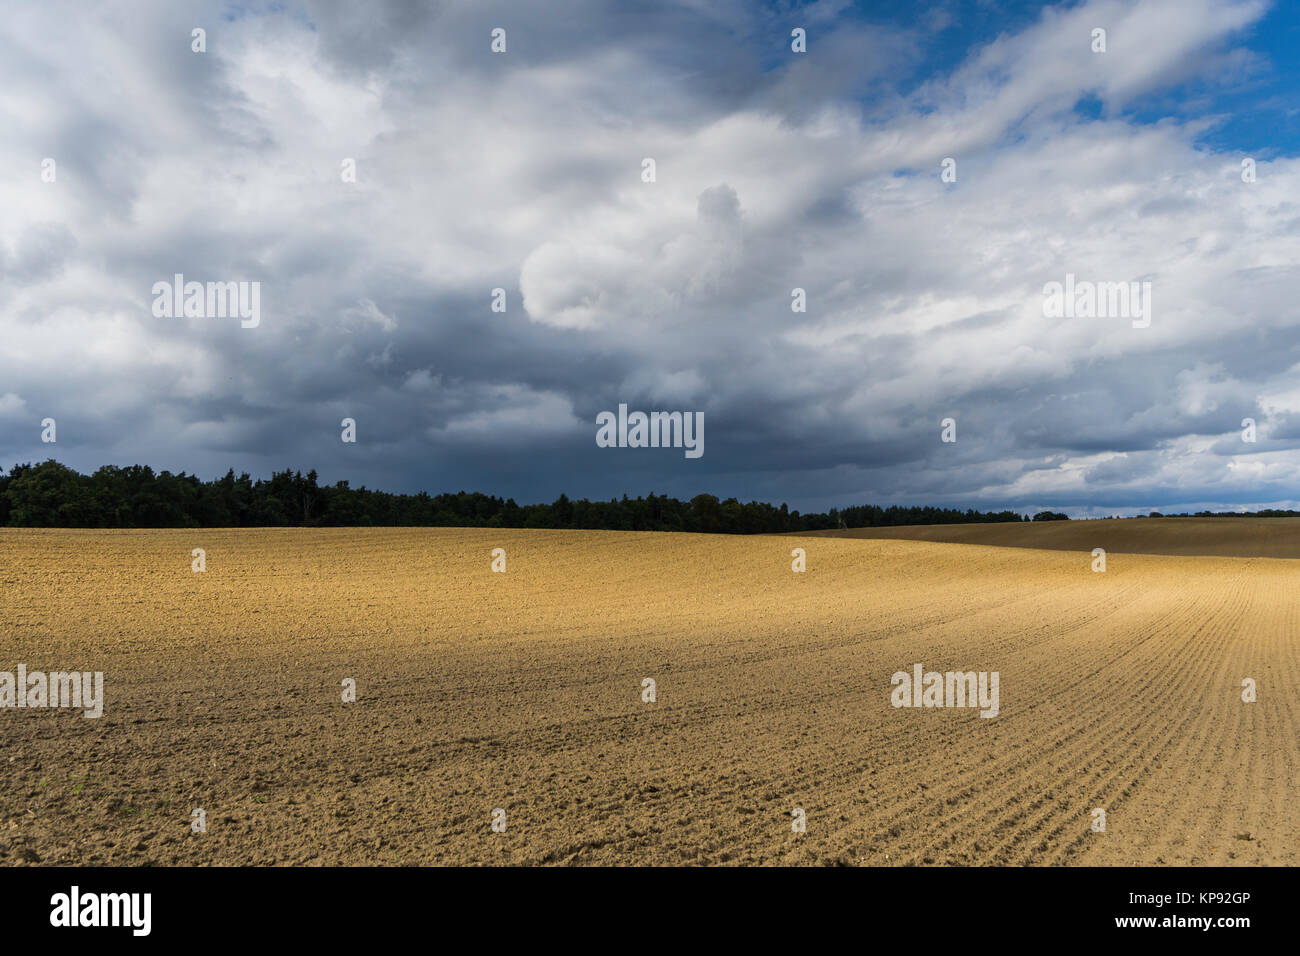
523	691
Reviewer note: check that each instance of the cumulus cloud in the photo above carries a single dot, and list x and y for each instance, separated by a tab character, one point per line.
774	171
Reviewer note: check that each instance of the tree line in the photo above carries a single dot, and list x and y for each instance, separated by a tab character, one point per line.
50	494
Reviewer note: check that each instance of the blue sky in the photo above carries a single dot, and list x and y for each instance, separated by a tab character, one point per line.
1259	107
775	170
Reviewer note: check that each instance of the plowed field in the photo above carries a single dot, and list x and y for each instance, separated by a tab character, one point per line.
1220	537
522	691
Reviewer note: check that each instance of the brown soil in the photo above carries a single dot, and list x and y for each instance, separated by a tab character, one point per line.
522	690
1223	537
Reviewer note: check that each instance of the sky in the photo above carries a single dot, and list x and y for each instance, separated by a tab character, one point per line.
774	170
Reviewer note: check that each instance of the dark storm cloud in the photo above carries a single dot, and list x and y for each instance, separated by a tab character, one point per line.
523	172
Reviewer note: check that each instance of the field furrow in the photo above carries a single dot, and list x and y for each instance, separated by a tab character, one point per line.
476	690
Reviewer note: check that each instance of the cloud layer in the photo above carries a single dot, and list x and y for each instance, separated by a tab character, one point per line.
522	171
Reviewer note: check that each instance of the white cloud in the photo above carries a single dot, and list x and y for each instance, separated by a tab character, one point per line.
523	172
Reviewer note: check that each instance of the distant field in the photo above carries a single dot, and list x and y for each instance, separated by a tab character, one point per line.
522	691
1223	537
